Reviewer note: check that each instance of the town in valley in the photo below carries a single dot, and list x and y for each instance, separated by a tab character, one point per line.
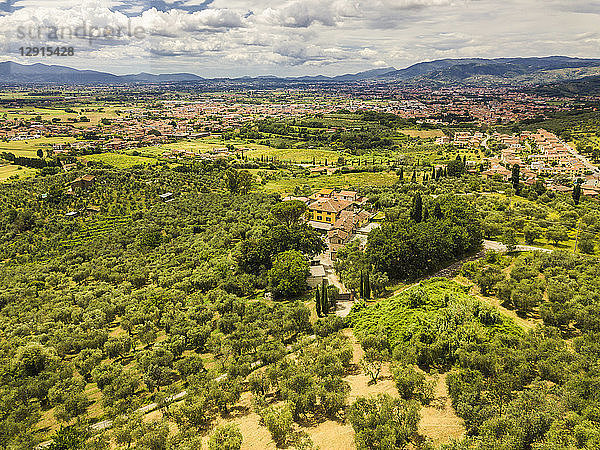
363	261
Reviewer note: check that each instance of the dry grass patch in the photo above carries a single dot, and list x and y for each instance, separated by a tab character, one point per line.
332	435
95	410
423	134
439	421
117	332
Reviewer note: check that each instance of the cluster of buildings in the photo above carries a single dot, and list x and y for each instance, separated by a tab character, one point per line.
340	214
538	154
463	139
553	157
487	106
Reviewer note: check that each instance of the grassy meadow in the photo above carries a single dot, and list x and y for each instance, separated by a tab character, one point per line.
120	160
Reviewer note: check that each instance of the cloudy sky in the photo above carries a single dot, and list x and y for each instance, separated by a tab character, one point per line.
293	37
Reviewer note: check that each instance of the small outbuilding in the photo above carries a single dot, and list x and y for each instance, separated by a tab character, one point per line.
316	277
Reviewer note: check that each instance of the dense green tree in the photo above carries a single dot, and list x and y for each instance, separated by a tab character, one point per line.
324	299
287	277
68	438
384	422
576	193
404	249
412	384
487	279
586	243
289	212
509	238
278	420
557	234
455	167
318	302
238	181
531	233
515	178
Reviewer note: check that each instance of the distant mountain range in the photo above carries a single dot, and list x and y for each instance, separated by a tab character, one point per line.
11	72
473	71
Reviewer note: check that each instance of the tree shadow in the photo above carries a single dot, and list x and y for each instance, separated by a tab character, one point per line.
237	411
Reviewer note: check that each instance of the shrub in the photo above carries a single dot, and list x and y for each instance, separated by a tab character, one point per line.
278	420
329	325
226	437
412	384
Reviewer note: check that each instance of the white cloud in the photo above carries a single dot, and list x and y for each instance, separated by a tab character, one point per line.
235	37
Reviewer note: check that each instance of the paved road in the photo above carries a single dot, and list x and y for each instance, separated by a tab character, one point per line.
500	247
583	159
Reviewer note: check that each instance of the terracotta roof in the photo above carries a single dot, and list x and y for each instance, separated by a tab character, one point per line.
330	205
343	235
325	191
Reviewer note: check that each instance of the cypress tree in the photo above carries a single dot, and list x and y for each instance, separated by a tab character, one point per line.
401	175
414	176
577	192
515	178
324	306
417	209
362	285
437	212
367	286
318	302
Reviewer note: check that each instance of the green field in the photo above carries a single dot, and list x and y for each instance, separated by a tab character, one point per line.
198	145
345	181
296	155
30	147
12	170
151	152
120	160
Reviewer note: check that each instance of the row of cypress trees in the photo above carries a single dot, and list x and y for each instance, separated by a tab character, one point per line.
323	302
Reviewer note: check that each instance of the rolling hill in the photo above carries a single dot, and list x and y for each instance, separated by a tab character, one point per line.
471	71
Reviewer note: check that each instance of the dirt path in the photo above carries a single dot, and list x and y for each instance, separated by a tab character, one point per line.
342	308
439	421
